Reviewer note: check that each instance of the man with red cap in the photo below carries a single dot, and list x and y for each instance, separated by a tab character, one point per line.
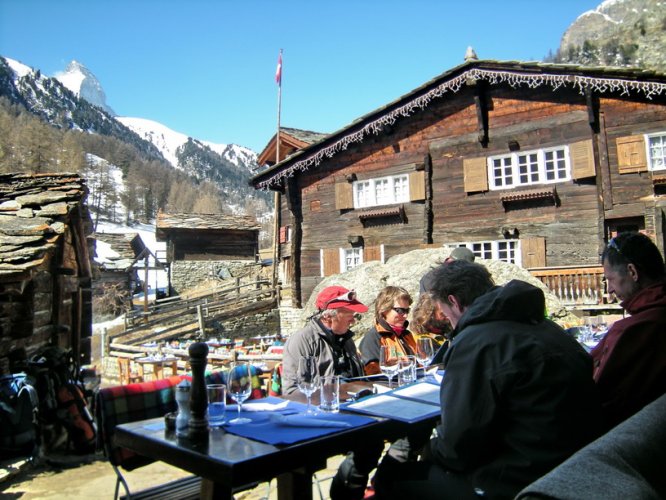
326	336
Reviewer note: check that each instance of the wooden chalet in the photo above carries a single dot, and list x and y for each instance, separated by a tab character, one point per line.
532	163
196	241
45	266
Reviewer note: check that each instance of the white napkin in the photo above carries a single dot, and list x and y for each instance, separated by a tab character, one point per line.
305	421
265	406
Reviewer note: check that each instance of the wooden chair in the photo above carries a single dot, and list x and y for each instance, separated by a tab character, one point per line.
125	372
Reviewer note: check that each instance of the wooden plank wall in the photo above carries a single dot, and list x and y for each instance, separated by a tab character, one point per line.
448	131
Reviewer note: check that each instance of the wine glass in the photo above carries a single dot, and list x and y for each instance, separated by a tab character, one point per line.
239	388
388	362
425	351
307	378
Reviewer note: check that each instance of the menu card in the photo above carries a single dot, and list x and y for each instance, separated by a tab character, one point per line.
411	403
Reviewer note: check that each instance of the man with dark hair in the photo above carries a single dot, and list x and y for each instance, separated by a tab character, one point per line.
630	361
517	395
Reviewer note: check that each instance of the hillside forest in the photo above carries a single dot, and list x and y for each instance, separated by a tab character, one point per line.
28	144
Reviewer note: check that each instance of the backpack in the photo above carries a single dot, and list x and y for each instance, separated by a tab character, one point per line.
73	413
18	416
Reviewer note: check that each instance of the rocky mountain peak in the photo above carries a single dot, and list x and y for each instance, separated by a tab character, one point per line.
82	82
618	33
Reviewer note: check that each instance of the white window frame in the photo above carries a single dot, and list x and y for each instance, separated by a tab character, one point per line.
350	258
494	249
508	167
381	191
661	164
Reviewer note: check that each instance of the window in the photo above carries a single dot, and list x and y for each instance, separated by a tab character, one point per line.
350	258
656	151
504	250
381	191
541	166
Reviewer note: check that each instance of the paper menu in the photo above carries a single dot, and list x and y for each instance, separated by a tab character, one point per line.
412	403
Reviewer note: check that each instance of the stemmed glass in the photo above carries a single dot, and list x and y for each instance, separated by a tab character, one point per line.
239	388
388	362
307	378
425	351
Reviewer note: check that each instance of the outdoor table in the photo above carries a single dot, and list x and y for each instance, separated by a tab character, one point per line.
226	461
158	364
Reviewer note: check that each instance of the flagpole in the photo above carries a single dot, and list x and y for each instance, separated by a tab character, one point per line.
276	197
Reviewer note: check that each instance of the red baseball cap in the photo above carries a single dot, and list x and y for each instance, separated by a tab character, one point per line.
335	297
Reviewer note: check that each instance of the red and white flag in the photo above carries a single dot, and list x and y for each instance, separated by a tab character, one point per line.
278	71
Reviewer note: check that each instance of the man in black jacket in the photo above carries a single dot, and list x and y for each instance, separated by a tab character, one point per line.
517	396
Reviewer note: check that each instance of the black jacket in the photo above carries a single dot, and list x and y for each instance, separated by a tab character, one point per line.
517	396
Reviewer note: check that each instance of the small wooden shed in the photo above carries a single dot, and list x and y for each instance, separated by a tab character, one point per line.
200	246
45	266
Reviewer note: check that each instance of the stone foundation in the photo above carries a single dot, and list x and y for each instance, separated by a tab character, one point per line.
190	274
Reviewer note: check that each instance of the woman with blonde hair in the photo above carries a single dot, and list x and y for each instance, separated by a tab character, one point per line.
391	309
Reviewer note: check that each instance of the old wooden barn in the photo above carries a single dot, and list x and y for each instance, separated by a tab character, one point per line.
45	266
531	163
203	246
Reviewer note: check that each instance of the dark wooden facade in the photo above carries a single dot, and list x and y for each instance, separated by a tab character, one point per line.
45	266
201	237
441	136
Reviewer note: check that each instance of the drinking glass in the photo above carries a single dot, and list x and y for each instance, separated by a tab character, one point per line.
217	404
307	378
425	351
406	370
388	362
239	388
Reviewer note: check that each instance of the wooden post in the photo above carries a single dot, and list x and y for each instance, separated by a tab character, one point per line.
202	330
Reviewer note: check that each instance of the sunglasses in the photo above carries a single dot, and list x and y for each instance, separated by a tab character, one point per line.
401	310
346	297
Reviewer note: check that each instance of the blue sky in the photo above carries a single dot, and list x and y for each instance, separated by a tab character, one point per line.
206	68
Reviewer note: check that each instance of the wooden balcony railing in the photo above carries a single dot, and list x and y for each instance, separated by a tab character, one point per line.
574	286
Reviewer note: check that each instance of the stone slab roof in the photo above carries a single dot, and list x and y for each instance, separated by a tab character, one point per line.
125	247
176	221
34	211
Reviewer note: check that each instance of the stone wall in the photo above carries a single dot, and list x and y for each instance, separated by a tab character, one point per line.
190	274
247	327
290	319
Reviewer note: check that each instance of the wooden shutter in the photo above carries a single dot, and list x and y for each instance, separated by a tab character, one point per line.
631	154
344	197
475	174
533	252
372	253
417	185
331	257
582	159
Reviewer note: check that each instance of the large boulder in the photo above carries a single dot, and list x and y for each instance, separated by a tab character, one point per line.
406	270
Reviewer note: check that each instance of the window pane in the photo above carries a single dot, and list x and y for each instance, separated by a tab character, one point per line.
529	168
502	171
657	148
382	191
556	165
401	188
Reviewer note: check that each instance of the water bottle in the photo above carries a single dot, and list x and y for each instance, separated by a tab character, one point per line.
183	402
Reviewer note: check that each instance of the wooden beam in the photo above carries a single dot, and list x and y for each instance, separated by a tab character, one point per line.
481	103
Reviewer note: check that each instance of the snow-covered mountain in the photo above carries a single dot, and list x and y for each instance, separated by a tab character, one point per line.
84	84
170	143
